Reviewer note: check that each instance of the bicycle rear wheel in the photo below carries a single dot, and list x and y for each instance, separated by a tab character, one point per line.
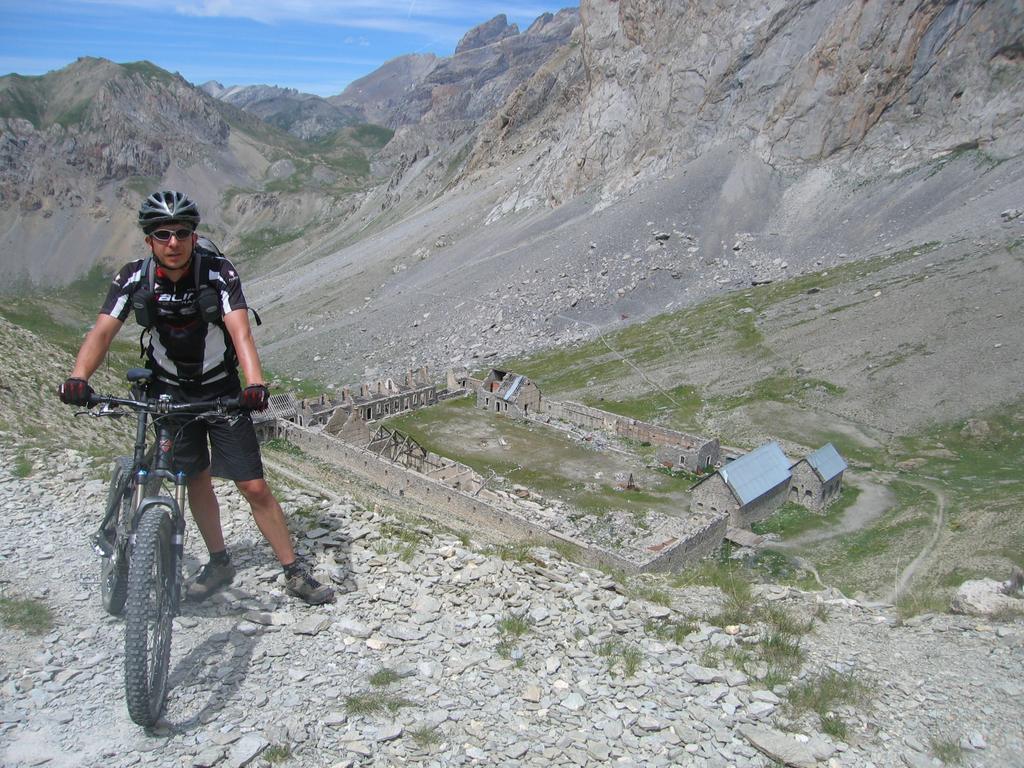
114	567
150	609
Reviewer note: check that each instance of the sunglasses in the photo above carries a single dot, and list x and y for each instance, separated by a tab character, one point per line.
164	235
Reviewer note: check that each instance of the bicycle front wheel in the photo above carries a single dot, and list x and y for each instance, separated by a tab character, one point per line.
149	613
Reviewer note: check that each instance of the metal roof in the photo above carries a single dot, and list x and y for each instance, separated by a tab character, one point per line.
827	462
278	407
513	389
751	476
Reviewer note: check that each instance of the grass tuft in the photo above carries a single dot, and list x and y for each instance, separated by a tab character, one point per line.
374	702
510	629
620	656
947	750
399	539
277	753
824	694
22	466
31	616
384	677
920	600
674	631
425	736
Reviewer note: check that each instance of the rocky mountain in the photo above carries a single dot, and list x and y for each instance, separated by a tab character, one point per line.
81	146
489	63
301	114
861	88
513	207
382	92
808	136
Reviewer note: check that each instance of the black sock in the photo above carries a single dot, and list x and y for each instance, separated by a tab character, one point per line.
292	568
220	558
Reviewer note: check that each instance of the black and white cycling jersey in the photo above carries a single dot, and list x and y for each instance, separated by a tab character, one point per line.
184	349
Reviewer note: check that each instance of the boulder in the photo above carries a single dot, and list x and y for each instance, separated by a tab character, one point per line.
985	597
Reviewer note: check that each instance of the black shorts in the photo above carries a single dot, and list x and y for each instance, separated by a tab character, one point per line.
229	447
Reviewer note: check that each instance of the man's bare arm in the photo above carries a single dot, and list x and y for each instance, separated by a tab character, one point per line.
237	323
94	348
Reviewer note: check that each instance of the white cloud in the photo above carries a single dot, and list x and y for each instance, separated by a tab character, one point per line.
428	17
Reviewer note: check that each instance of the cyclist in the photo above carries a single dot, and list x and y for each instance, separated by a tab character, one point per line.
197	358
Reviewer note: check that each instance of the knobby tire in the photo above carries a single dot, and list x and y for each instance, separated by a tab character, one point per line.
153	592
114	569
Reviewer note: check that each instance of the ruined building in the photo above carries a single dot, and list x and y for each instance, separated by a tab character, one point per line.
817	478
510	394
747	489
514	394
346	433
755	485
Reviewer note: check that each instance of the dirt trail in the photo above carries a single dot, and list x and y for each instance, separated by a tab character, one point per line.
874	499
940	520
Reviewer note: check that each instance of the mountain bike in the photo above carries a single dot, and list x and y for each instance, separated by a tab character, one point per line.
141	538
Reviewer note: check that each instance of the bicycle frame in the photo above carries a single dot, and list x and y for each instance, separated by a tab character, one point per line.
143	555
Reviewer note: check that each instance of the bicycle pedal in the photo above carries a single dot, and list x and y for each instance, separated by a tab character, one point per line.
101	545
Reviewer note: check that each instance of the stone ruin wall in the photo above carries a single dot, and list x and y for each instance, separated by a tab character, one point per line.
762	507
341	434
699	544
696	453
475	512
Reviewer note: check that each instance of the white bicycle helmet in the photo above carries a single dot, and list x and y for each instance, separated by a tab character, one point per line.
165	207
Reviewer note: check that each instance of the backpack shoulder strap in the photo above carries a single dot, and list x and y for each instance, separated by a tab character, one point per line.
148	273
207	245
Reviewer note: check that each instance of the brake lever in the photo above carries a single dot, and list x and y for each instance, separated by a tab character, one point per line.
105	409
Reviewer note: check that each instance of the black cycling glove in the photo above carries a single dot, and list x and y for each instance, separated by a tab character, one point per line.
75	391
255	397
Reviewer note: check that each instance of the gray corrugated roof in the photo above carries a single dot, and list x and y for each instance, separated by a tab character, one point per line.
756	473
827	462
278	407
513	389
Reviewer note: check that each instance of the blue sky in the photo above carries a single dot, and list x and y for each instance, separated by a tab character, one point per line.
316	46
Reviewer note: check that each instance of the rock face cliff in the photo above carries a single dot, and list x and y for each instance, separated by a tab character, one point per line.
490	62
877	86
72	141
99	121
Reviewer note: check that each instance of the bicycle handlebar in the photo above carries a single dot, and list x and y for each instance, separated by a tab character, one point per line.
163	407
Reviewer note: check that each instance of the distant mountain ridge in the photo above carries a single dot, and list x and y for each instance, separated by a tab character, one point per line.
301	114
475	201
489	62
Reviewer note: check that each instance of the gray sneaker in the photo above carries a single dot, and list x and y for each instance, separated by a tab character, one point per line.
210	578
303	586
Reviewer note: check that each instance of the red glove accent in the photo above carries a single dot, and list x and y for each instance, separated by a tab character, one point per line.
75	391
255	397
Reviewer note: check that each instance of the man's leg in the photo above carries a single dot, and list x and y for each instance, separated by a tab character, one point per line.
236	454
269	517
206	510
218	572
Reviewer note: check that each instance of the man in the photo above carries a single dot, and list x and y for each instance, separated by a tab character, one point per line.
199	335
